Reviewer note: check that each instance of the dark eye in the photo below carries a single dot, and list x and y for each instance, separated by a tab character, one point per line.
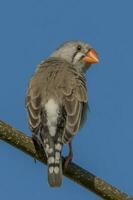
79	47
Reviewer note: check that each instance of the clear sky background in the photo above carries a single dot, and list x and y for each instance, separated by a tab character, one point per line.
29	31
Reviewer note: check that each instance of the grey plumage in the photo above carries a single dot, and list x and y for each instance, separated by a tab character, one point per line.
55	101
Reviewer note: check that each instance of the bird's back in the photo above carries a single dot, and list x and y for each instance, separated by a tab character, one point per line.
54	79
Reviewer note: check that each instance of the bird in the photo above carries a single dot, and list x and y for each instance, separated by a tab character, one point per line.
56	102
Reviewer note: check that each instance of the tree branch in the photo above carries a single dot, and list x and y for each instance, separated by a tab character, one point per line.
73	171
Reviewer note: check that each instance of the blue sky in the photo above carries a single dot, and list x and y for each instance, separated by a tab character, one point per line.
29	32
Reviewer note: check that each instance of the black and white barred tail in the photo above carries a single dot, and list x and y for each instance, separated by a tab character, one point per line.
53	152
53	141
49	137
55	167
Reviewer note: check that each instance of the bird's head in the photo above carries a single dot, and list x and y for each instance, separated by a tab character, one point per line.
78	53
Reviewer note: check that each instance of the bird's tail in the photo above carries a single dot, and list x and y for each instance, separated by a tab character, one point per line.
55	170
55	167
53	128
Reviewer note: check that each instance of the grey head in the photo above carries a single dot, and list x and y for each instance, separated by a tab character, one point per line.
78	53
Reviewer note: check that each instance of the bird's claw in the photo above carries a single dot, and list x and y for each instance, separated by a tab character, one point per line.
68	159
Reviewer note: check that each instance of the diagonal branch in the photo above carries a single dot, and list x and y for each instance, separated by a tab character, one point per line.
73	171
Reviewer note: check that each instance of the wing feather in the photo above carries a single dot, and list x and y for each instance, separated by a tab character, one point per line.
73	120
80	94
33	105
71	106
74	102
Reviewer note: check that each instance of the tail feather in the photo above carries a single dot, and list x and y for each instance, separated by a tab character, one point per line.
55	166
51	134
52	150
55	174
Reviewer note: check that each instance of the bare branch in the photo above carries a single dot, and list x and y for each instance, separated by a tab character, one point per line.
73	172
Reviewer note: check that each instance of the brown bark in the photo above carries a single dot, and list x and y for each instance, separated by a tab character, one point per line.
73	171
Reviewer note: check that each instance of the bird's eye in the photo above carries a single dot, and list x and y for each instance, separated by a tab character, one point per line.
78	47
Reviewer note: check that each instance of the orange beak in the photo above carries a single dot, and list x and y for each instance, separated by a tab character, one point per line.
91	57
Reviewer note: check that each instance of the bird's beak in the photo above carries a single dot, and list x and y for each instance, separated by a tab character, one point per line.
91	57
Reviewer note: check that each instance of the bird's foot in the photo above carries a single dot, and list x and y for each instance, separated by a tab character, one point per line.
68	159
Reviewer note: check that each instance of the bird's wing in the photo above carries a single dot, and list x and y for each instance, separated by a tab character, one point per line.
33	104
72	86
42	87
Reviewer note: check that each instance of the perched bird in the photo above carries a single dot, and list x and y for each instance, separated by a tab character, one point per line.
56	102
